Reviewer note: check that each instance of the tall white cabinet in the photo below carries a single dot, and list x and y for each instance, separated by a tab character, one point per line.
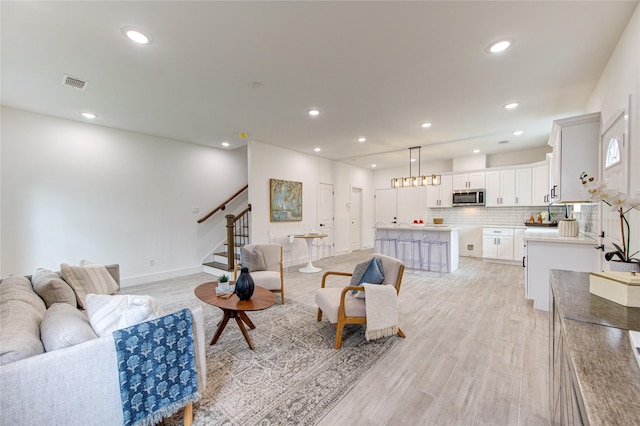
575	150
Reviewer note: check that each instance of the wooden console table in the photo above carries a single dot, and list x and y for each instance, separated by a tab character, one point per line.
594	376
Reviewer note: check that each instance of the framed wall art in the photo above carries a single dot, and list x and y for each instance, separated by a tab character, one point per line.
286	200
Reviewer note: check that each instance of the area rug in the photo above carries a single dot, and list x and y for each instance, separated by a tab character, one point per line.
293	377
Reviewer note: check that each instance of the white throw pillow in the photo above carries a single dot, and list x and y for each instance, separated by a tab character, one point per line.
110	313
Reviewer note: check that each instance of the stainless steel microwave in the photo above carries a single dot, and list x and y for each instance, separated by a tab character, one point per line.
468	197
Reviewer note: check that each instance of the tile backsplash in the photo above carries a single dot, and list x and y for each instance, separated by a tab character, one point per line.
585	214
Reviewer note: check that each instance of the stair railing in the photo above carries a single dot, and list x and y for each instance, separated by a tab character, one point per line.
223	205
237	235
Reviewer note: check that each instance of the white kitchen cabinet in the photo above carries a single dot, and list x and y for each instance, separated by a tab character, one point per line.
518	244
474	180
440	195
545	253
497	243
524	187
501	188
412	204
540	185
575	150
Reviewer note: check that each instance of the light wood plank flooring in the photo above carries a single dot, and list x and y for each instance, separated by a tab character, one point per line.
476	351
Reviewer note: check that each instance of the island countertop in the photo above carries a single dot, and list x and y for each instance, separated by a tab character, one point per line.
427	226
607	375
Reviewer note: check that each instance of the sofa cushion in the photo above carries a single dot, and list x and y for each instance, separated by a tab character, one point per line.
64	325
88	279
109	313
253	259
21	311
51	288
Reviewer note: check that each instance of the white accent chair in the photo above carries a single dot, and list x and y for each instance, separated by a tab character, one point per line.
273	277
342	308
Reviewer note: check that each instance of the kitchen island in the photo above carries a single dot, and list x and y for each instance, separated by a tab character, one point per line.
546	250
429	232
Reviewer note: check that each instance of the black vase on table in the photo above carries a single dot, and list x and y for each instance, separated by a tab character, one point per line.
244	285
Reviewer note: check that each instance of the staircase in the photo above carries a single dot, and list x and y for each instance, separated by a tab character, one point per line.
225	255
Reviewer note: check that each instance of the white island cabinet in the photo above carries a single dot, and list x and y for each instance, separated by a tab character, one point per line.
431	233
545	250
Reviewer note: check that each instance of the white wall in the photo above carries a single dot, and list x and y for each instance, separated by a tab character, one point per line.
72	190
268	162
620	80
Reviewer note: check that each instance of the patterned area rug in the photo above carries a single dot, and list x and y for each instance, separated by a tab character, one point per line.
293	377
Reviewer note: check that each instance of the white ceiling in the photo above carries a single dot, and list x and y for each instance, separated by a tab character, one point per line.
374	69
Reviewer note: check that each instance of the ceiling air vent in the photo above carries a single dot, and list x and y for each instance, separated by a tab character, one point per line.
502	142
76	83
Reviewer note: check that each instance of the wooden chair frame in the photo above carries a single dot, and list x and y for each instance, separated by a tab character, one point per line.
343	319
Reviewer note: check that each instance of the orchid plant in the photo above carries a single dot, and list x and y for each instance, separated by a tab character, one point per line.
620	202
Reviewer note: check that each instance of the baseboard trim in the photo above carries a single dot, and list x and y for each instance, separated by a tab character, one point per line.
158	276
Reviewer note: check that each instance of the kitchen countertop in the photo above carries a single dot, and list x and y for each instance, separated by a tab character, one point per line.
551	235
427	226
606	371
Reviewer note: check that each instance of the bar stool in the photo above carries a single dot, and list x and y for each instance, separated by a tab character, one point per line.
429	244
381	238
406	241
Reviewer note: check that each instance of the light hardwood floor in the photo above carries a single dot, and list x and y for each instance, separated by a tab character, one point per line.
476	352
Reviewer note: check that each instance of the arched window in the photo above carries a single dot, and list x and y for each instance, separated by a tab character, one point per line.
613	153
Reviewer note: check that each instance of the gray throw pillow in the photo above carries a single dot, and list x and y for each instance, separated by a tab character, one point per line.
51	288
373	274
252	259
63	326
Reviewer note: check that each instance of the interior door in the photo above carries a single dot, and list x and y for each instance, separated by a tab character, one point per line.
325	213
356	219
386	206
614	160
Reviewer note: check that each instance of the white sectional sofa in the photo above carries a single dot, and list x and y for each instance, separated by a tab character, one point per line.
73	385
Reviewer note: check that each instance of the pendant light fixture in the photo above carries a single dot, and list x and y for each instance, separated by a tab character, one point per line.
419	179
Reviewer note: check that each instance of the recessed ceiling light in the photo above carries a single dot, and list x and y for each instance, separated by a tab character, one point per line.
313	112
425	125
362	139
89	115
518	132
373	165
225	144
137	36
499	46
511	105
475	151
316	149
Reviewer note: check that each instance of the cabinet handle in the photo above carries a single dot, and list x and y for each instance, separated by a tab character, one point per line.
516	200
523	265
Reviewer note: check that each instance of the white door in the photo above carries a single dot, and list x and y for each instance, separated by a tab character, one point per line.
356	219
386	206
614	159
325	213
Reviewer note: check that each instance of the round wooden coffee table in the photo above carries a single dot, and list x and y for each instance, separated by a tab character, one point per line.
234	307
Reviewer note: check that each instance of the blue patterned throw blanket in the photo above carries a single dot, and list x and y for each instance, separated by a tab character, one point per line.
157	368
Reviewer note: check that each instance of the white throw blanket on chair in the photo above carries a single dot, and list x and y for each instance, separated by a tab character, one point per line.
382	311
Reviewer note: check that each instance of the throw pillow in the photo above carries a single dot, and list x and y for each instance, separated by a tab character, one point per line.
110	313
252	259
64	325
358	272
51	288
88	279
372	275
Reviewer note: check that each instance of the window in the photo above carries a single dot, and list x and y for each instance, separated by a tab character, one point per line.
613	153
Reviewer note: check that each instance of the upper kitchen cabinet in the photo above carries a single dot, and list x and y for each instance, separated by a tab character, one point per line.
540	185
501	188
575	150
524	188
475	180
440	195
